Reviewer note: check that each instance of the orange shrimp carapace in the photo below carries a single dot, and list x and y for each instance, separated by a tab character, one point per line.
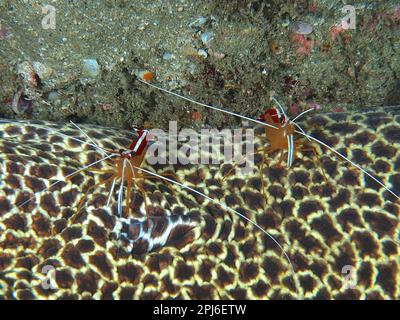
279	134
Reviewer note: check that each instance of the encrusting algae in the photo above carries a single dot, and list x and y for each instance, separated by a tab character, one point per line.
325	225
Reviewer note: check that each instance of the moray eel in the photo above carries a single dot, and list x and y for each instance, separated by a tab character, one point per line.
339	228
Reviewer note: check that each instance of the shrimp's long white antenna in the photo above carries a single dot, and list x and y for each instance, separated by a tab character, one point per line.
301	114
282	109
301	129
69	175
121	187
287	119
52	131
290	150
87	136
298	116
351	162
226	208
205	105
111	191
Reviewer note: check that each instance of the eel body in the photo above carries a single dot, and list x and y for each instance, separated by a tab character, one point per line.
338	227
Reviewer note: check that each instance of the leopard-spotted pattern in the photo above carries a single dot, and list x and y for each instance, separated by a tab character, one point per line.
328	217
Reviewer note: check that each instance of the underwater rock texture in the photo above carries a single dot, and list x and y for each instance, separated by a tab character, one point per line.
248	53
326	225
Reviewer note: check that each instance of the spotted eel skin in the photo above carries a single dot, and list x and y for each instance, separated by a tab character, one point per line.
327	216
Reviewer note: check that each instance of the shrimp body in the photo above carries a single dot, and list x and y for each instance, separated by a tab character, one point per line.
123	169
134	155
280	134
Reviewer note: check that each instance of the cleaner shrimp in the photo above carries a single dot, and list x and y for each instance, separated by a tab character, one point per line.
122	165
280	137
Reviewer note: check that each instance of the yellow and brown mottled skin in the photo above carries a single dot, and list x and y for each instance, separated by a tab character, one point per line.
323	224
